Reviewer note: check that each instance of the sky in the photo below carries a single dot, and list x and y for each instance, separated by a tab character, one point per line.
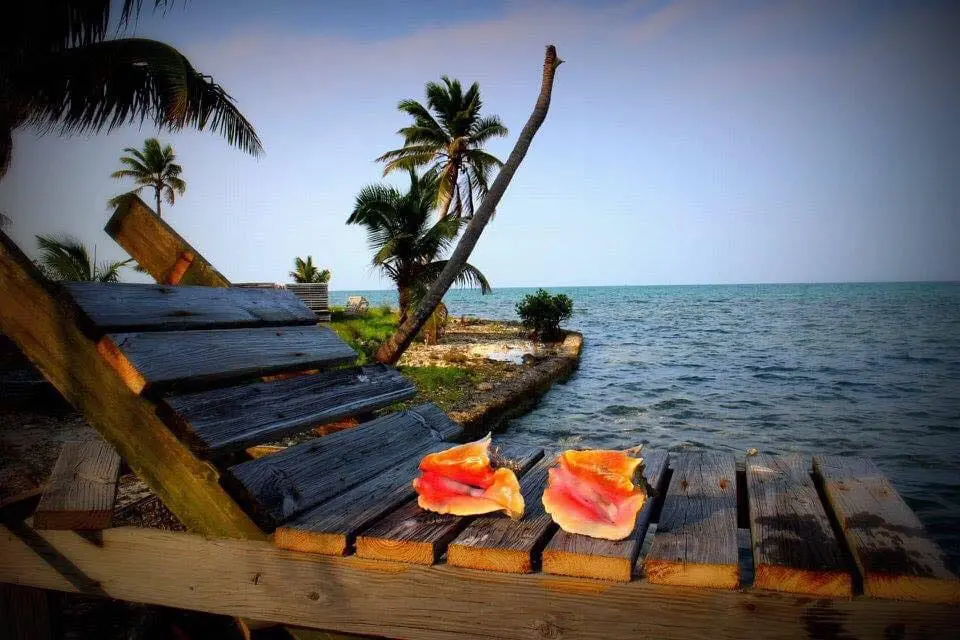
688	142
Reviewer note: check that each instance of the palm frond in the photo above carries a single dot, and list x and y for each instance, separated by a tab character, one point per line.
469	276
65	258
108	84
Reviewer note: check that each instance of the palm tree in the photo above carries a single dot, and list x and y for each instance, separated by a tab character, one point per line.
407	248
4	220
152	167
450	144
66	258
58	71
307	272
391	350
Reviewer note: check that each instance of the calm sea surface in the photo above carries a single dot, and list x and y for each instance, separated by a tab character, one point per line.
848	369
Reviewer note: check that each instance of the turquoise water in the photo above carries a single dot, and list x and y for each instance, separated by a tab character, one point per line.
849	369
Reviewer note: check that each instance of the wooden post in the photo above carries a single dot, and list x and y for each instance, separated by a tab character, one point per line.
46	327
158	248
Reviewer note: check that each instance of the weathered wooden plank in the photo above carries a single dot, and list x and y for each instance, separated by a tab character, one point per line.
185	359
794	547
241	416
280	486
496	543
158	248
414	535
571	554
126	307
24	613
245	578
696	540
82	487
44	326
895	556
332	527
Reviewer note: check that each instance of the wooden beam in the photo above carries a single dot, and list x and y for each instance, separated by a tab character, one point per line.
353	595
24	613
45	327
82	488
281	486
127	307
231	418
794	547
158	248
570	554
696	540
896	557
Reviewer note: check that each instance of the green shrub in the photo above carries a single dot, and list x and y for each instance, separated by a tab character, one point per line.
543	313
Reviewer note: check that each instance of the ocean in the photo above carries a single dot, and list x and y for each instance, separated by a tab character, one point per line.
847	369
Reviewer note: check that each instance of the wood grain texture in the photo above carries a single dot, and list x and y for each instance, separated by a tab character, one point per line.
285	484
896	557
81	489
24	613
374	597
331	527
45	327
571	554
232	418
415	535
157	247
127	307
187	359
696	539
794	547
496	543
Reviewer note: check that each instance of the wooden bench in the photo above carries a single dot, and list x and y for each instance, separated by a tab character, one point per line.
181	381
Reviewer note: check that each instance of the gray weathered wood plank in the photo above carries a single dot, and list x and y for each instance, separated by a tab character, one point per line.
128	307
794	547
280	486
896	557
82	488
696	539
572	554
332	527
185	359
496	543
231	418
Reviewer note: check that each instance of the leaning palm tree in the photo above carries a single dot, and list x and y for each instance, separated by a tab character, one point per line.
66	258
407	248
391	350
58	71
450	144
307	272
154	167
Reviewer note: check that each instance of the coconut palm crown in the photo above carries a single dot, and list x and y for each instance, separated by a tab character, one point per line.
154	167
447	136
66	258
307	272
59	71
407	248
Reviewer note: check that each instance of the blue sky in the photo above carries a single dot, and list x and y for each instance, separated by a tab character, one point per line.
688	142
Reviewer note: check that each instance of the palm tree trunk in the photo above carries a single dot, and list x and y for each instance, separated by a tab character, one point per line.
157	191
445	205
404	297
391	350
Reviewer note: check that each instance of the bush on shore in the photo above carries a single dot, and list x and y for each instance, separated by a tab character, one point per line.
543	313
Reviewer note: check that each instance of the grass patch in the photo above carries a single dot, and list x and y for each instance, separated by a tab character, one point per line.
364	333
444	386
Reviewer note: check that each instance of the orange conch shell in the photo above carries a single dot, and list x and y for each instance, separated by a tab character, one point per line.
460	481
592	493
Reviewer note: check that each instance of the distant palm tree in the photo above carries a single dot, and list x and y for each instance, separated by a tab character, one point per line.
66	258
4	220
58	71
450	144
307	272
154	166
407	248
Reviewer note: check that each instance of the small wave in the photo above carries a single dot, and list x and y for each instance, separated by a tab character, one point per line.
622	410
918	359
672	403
854	385
775	368
696	378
